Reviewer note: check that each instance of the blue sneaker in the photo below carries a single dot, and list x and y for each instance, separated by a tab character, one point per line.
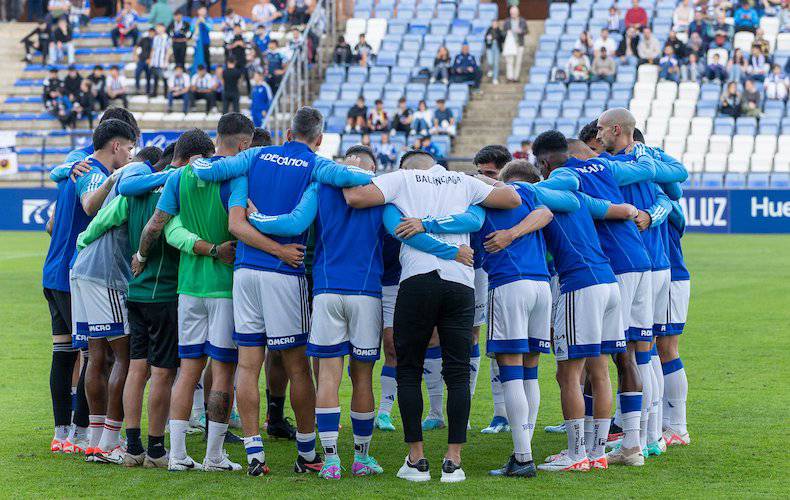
430	424
514	468
497	425
384	423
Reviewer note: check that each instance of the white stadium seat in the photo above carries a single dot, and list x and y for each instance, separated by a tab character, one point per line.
694	161
330	146
666	91
720	144
685	109
688	90
743	40
647	73
738	162
765	144
697	144
657	127
781	164
644	90
783	42
702	125
715	162
678	127
783	144
376	30
762	162
354	27
743	144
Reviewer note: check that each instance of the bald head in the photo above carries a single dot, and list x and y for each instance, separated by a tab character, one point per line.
580	150
616	129
417	160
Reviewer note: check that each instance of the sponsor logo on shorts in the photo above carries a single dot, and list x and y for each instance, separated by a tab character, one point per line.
99	328
364	352
620	343
80	337
544	344
646	333
281	340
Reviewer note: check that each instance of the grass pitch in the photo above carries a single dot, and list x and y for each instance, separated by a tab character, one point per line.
735	350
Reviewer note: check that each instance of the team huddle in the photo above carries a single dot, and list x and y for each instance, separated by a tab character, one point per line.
193	269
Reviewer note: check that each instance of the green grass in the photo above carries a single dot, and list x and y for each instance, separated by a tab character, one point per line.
735	350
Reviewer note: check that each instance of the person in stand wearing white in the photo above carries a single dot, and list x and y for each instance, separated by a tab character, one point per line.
160	54
515	28
179	89
116	87
204	87
433	293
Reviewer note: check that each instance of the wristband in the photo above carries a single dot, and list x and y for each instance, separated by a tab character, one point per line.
140	257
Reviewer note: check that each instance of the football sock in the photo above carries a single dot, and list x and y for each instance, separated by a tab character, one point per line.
517	410
198	401
156	446
389	388
276	406
62	432
96	428
618	416
362	427
575	429
63	358
432	373
78	433
178	438
631	409
215	439
655	362
80	418
600	434
328	423
110	436
532	389
474	367
134	444
646	374
254	447
588	419
496	390
73	398
305	445
676	392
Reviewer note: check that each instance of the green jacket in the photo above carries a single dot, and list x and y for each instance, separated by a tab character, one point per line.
160	13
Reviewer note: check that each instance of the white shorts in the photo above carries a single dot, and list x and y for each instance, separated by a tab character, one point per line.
97	312
554	285
589	323
481	296
519	318
205	328
636	305
388	296
679	295
345	324
661	281
270	309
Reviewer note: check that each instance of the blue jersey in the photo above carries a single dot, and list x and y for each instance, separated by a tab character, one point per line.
391	255
574	245
476	243
675	227
620	239
80	153
70	221
261	96
232	192
525	257
348	246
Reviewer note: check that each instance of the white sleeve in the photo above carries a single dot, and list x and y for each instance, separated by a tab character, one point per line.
476	190
390	185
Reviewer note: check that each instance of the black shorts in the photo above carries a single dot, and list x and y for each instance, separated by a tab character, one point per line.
59	310
153	332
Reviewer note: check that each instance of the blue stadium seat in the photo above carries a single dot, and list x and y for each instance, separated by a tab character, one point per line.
745	125
758	180
780	180
335	124
723	125
733	180
769	126
711	181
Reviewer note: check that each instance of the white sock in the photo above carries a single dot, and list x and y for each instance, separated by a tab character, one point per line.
328	423
653	424
676	391
62	432
646	374
362	427
496	390
575	429
588	419
631	409
95	430
305	445
597	447
517	410
198	401
655	362
618	415
389	389
215	440
77	433
178	438
432	373
110	437
253	445
474	367
532	389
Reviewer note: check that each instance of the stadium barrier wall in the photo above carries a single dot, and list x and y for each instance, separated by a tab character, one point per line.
707	210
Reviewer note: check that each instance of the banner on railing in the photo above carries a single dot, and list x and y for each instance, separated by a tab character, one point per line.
160	139
8	160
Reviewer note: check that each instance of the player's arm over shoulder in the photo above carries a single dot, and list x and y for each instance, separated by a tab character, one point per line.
382	189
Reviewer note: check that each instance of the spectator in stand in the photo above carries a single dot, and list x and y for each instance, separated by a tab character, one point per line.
98	87
784	20
730	102
606	42
231	74
62	43
443	119
696	46
465	68
126	25
342	53
275	66
716	72
745	17
720	41
230	21
603	67
758	65
71	83
299	11
441	66
179	89
429	147
721	25
261	99
693	70
669	66
558	75
61	108
203	88
160	55
423	119
386	152
160	13
143	55
83	102
494	38
761	43
680	49
699	26
627	50
578	66
585	44
264	13
116	87
357	116
363	52
525	153
57	9
203	27
636	16
515	28
180	32
378	120
237	49
648	49
220	84
52	82
737	66
615	23
401	122
777	84
750	100
37	40
682	17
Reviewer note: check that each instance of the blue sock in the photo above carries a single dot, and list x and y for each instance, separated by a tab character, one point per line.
328	422
362	427
254	447
305	445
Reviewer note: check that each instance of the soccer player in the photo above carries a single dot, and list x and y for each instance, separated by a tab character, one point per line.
389	292
433	293
99	279
82	153
205	308
278	177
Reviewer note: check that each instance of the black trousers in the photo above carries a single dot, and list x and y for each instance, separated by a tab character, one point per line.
230	100
209	97
180	53
426	301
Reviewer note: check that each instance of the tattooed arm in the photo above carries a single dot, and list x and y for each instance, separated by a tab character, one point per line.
151	232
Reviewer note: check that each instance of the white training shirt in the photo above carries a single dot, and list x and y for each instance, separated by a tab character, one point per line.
436	192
